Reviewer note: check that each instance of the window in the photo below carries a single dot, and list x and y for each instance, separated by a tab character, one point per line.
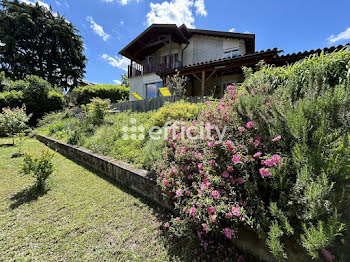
153	89
231	53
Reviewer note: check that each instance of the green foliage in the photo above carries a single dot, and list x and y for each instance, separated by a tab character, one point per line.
40	167
40	98
112	92
38	41
125	80
11	99
274	243
176	111
97	109
35	93
14	121
2	80
297	114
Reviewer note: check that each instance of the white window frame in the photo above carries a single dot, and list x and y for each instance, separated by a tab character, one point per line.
229	53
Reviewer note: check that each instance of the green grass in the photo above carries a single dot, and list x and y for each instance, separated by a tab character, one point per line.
83	217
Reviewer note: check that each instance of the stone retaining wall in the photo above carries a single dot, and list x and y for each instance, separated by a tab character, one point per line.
123	173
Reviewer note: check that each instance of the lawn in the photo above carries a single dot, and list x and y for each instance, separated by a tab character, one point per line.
83	217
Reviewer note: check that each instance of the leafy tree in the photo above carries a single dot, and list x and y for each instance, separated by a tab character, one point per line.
13	121
37	41
125	80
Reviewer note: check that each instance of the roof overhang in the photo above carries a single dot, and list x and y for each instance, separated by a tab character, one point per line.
153	38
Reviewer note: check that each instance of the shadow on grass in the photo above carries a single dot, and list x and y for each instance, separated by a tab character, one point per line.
27	195
6	145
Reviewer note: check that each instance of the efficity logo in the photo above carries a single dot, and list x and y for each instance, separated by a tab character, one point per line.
202	131
134	132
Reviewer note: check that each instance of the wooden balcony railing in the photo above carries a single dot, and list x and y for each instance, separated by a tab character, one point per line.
153	65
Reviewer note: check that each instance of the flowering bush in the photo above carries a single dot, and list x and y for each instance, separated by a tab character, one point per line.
283	166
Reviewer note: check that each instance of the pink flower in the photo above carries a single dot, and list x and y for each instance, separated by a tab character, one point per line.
228	233
230	169
276	159
212	218
200	165
228	143
215	194
236	211
205	228
240	180
211	210
166	225
264	172
178	219
183	150
258	154
207	103
277	138
256	143
210	144
199	234
229	214
236	159
192	211
230	87
225	174
179	192
184	210
241	129
328	256
250	124
269	162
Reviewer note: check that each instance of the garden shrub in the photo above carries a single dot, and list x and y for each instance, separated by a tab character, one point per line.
97	109
11	99
282	168
176	111
40	167
40	98
112	92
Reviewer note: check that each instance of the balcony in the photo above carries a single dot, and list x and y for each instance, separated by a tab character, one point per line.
155	65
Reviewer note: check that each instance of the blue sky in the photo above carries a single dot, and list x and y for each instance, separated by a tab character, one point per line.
108	25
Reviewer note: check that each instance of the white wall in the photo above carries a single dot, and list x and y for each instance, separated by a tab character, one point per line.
138	85
206	48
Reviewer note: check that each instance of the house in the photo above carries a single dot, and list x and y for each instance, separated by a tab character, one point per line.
210	60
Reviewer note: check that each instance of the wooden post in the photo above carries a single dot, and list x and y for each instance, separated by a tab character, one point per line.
203	84
170	51
130	69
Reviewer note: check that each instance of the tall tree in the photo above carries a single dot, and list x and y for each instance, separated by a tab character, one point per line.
36	41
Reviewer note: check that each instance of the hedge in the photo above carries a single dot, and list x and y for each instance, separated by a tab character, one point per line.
112	92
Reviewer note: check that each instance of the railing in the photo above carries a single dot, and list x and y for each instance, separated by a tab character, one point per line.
153	103
154	65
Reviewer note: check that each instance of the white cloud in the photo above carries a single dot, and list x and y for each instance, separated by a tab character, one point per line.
174	12
98	29
34	2
200	8
58	3
232	30
121	63
122	2
341	36
117	82
122	22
